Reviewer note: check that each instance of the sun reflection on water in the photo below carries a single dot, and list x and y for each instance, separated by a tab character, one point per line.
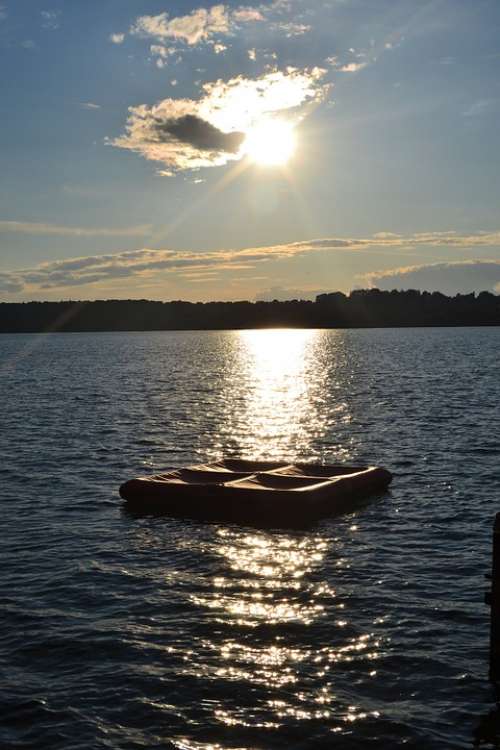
273	626
268	590
283	396
263	580
279	406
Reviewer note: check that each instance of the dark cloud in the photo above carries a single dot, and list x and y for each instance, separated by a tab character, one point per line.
199	133
185	134
450	278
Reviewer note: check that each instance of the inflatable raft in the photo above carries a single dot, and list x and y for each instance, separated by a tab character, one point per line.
268	492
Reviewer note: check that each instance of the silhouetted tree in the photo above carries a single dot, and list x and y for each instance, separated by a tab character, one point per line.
362	308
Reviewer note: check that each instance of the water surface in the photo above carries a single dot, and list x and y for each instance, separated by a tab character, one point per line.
365	631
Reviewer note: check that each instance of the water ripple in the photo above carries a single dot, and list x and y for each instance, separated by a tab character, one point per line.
364	631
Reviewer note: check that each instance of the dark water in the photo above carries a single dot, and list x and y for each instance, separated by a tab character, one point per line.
366	631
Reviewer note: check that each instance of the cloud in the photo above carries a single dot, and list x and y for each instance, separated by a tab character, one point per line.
204	25
200	134
451	278
89	105
102	268
137	263
359	59
159	132
419	239
3	12
50	19
39	228
348	67
482	107
141	263
9	284
117	38
162	53
199	25
352	67
446	239
390	240
147	263
247	15
290	29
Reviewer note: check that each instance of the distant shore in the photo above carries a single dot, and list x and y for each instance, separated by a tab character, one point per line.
364	308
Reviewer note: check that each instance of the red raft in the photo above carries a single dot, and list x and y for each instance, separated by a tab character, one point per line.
270	492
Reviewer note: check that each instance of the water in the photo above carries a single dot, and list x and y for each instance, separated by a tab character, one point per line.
365	631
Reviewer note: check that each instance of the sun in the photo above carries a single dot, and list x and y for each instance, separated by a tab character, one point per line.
270	143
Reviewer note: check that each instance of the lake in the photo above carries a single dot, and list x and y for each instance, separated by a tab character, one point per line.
363	631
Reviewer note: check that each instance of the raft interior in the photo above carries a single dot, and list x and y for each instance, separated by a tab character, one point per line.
255	491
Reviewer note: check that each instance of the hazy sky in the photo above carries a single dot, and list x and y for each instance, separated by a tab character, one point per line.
188	150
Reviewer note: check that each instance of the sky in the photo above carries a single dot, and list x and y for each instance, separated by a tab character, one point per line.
200	151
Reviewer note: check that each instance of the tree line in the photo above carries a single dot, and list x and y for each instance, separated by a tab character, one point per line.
361	308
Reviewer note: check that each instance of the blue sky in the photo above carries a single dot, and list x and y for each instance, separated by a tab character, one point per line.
127	165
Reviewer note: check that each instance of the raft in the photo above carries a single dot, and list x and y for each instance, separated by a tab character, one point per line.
263	492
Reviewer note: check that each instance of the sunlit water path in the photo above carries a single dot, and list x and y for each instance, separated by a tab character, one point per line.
365	631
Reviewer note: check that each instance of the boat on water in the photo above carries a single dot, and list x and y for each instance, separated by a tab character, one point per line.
243	491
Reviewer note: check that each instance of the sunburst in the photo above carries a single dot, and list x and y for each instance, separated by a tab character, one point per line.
270	143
